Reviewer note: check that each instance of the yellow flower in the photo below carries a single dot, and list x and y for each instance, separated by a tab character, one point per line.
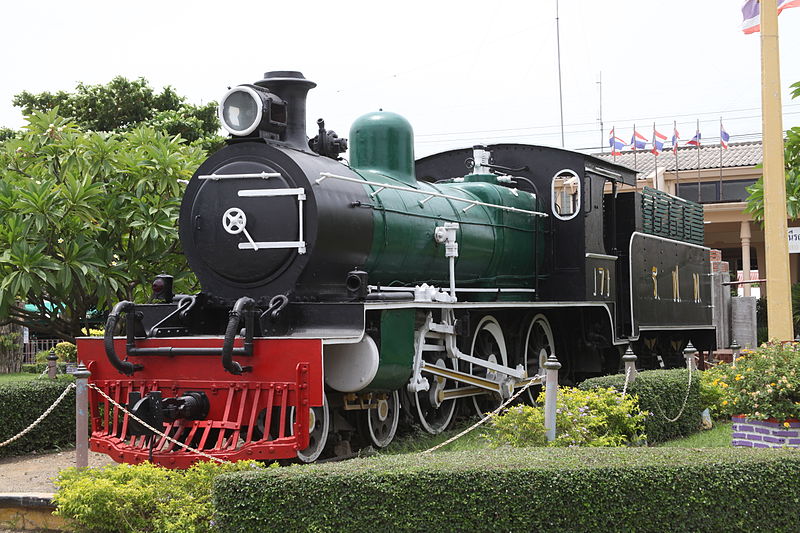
725	402
724	384
772	384
786	424
738	377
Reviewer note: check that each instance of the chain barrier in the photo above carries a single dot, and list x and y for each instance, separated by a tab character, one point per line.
42	417
154	430
627	381
485	418
685	400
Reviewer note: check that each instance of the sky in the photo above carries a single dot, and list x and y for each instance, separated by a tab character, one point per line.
462	72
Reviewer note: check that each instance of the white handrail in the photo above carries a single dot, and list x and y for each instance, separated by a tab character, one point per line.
326	175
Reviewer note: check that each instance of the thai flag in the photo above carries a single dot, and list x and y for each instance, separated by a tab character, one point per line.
638	141
658	142
751	11
615	143
723	137
675	139
695	140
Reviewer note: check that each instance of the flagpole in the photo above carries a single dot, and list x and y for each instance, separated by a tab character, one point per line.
699	185
779	303
675	150
636	180
655	159
720	158
560	97
602	131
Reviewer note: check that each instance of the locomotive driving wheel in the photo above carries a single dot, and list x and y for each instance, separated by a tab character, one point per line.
382	420
433	411
488	343
318	425
539	345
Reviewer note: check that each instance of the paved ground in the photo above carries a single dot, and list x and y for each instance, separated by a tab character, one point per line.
34	473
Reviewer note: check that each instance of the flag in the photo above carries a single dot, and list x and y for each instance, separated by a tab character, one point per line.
724	137
695	140
658	142
615	143
638	141
675	139
751	11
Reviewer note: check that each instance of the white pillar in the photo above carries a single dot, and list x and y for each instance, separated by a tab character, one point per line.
551	396
744	235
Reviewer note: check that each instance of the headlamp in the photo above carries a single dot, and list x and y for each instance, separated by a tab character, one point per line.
241	110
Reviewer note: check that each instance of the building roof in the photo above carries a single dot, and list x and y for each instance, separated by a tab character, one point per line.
742	154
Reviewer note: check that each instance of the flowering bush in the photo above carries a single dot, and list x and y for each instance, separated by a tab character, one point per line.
765	383
712	394
597	417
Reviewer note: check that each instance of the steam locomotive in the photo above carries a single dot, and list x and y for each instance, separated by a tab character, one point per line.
339	297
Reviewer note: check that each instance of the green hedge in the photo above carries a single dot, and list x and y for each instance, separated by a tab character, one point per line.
522	489
39	368
23	402
661	392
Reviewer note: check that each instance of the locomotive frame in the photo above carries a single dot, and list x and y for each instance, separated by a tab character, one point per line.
387	286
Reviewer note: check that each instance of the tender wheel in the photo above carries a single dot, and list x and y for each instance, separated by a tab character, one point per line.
539	345
318	424
488	343
434	413
382	421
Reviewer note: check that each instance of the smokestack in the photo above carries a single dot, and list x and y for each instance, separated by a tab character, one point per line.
292	87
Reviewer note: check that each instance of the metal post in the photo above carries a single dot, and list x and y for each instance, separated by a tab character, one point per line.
52	368
551	396
690	354
82	416
630	364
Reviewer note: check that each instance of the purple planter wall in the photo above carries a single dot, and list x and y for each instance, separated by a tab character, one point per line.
765	433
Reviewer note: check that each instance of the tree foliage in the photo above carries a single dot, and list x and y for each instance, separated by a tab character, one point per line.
86	219
124	104
791	156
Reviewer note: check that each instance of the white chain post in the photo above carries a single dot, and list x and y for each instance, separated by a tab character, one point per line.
551	397
82	416
690	354
735	350
629	359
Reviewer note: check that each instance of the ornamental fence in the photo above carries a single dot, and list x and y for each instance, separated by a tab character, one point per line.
34	346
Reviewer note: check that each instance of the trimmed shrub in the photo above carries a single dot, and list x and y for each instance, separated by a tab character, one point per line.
39	368
66	351
662	394
142	498
596	417
521	489
23	402
41	356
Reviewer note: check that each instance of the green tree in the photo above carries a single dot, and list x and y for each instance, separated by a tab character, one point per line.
124	104
86	219
791	155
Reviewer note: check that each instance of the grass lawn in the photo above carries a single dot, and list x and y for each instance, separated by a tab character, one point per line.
19	376
719	436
